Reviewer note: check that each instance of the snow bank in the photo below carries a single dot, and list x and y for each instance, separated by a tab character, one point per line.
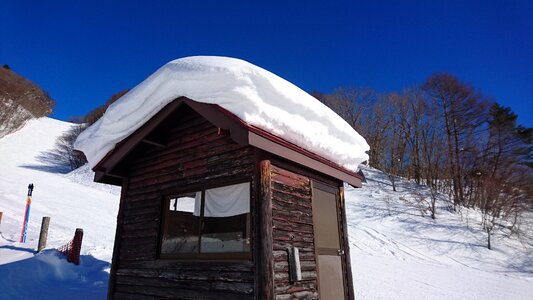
48	275
256	96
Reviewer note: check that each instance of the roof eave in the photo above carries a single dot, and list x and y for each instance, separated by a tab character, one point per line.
240	131
268	145
271	143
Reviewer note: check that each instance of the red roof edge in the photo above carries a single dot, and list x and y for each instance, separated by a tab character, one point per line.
285	143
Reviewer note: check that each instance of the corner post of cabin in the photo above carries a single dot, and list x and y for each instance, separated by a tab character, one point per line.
266	260
118	237
346	246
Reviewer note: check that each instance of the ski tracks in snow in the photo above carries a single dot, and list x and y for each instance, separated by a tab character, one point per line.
371	241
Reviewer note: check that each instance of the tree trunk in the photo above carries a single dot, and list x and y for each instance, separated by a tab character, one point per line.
488	238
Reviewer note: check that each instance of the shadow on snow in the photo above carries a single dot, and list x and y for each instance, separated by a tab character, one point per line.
48	274
10	247
52	163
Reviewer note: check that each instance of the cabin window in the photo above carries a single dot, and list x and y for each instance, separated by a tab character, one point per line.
180	231
207	223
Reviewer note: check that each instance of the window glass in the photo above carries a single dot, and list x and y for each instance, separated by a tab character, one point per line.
186	204
209	221
226	219
180	232
225	234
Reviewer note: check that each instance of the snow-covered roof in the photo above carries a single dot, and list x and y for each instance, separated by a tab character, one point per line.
255	95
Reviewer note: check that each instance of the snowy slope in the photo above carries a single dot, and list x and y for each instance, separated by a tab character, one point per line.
396	253
24	159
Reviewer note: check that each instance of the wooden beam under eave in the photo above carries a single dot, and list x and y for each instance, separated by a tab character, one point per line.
153	143
123	148
103	177
223	132
214	114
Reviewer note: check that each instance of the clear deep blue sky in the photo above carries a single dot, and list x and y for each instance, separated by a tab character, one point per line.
82	52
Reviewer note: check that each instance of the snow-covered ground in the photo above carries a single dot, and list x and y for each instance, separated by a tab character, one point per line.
396	253
25	158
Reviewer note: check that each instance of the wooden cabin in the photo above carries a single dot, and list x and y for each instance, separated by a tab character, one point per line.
212	208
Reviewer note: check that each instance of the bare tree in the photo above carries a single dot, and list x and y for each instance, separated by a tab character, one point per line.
351	104
504	169
65	143
360	108
375	130
65	150
442	135
416	108
462	111
395	135
432	159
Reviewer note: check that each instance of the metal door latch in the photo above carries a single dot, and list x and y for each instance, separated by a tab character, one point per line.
340	252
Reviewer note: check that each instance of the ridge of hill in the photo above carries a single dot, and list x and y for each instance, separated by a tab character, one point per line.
20	101
396	253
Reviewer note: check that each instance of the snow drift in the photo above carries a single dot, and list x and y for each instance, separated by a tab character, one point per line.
255	95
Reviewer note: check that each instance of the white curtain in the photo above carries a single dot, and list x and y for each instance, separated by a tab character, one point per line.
225	201
187	204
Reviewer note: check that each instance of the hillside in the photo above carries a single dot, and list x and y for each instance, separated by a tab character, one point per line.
396	253
20	101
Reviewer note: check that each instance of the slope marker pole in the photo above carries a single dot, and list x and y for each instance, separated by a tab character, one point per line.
26	215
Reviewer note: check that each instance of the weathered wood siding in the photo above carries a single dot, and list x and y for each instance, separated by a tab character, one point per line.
292	222
195	155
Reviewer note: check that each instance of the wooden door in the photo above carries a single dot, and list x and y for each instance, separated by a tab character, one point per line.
328	243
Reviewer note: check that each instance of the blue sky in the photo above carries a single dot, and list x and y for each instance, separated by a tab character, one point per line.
82	52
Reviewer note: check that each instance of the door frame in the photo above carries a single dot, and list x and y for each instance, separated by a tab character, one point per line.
317	184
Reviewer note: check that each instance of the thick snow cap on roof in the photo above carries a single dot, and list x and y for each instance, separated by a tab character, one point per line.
257	96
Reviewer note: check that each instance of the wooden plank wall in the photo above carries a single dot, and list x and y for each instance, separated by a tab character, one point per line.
292	221
196	154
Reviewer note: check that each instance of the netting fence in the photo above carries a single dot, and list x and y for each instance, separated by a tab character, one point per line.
72	249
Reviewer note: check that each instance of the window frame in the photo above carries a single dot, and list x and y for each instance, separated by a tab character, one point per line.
221	256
